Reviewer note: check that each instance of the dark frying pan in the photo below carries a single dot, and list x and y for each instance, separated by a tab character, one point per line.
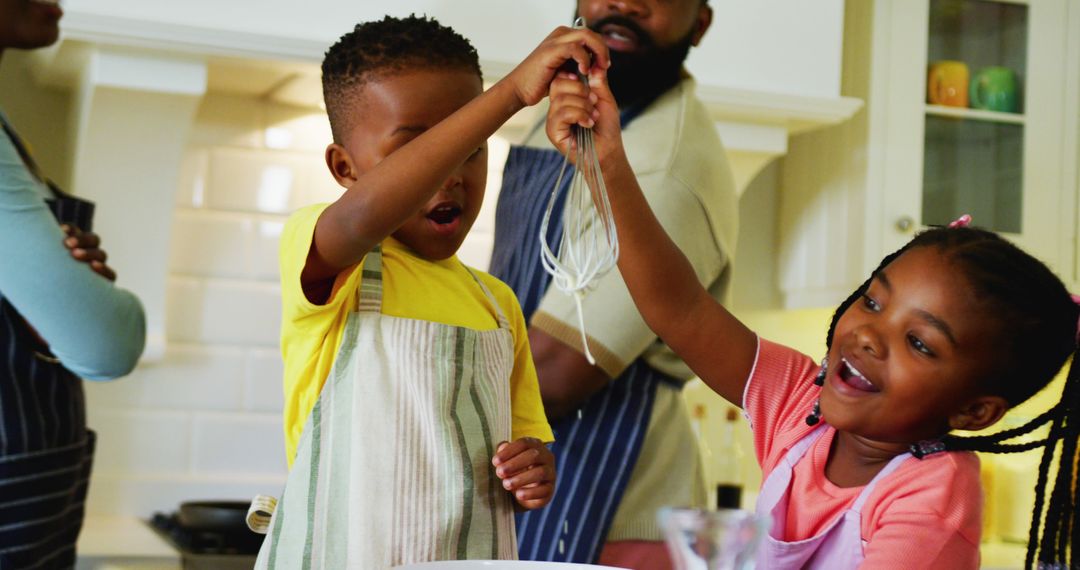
214	516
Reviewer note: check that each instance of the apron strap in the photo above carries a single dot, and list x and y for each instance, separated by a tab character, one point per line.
865	494
504	323
775	484
24	153
66	208
20	147
370	287
800	448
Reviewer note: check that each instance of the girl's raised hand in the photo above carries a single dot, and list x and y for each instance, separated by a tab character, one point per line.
530	79
592	106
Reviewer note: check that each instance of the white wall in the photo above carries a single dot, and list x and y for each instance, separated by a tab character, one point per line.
786	46
823	210
783	46
205	421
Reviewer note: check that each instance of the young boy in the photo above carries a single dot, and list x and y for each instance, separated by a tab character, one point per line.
407	373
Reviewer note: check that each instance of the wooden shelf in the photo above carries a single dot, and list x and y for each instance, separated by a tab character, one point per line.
974	114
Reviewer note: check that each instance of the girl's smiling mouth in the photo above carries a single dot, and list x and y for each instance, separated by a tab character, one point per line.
852	379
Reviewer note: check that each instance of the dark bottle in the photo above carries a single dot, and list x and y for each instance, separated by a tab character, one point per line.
730	459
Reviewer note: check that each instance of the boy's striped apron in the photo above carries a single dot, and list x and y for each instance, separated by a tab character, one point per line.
595	449
394	463
45	448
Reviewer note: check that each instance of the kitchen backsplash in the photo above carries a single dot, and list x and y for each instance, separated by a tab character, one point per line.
204	422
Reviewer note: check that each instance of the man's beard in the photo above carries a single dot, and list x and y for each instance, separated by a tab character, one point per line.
647	72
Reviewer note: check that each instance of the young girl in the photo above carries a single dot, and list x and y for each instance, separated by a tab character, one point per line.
861	468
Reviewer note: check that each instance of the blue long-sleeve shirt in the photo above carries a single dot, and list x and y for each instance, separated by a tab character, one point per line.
94	328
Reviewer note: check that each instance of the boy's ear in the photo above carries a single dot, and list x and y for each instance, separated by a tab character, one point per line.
341	165
702	23
980	413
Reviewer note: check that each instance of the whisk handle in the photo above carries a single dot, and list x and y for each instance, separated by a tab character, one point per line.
571	65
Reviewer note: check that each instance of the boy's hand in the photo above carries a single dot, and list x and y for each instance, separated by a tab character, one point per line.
86	247
594	107
530	79
527	470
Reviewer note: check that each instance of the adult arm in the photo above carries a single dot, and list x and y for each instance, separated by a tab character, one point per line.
95	329
566	378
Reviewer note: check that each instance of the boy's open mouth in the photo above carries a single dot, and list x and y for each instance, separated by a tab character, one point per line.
853	378
445	218
444	214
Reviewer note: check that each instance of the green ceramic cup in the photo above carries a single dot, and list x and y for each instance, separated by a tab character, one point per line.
994	89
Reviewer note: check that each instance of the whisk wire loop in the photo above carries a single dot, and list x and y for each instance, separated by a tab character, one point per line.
589	247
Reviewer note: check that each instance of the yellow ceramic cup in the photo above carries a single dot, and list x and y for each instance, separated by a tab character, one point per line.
947	83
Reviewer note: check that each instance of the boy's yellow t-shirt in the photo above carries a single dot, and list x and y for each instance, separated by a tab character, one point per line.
415	288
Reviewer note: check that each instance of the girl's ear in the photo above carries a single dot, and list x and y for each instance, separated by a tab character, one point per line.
980	413
341	165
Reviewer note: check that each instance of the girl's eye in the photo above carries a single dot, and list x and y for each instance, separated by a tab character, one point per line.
870	303
919	345
476	153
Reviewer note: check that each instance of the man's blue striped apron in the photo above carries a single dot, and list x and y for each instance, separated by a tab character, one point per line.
45	448
595	449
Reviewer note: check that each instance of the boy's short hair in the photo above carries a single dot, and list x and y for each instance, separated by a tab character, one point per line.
387	46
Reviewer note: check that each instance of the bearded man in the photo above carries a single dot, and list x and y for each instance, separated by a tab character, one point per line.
623	441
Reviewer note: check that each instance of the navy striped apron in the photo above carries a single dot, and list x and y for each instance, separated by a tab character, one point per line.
595	449
45	448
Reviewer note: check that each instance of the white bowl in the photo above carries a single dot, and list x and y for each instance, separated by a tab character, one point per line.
500	565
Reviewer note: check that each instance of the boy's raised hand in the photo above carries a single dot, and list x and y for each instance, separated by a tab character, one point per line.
527	470
531	77
593	107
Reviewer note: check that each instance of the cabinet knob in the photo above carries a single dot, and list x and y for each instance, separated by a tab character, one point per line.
905	224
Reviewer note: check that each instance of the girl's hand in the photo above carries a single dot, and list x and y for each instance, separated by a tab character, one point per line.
530	79
574	104
527	470
86	247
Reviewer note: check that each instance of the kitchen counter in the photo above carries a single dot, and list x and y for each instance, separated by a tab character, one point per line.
128	543
123	543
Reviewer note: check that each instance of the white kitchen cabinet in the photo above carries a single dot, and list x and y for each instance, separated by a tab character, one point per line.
1012	169
849	195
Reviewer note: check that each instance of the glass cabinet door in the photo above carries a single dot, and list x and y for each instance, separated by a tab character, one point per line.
973	149
975	104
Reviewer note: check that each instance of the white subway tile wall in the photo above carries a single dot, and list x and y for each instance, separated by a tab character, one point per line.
142	441
205	421
253	445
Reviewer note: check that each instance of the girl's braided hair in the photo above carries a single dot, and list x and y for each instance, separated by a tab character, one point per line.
1039	326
